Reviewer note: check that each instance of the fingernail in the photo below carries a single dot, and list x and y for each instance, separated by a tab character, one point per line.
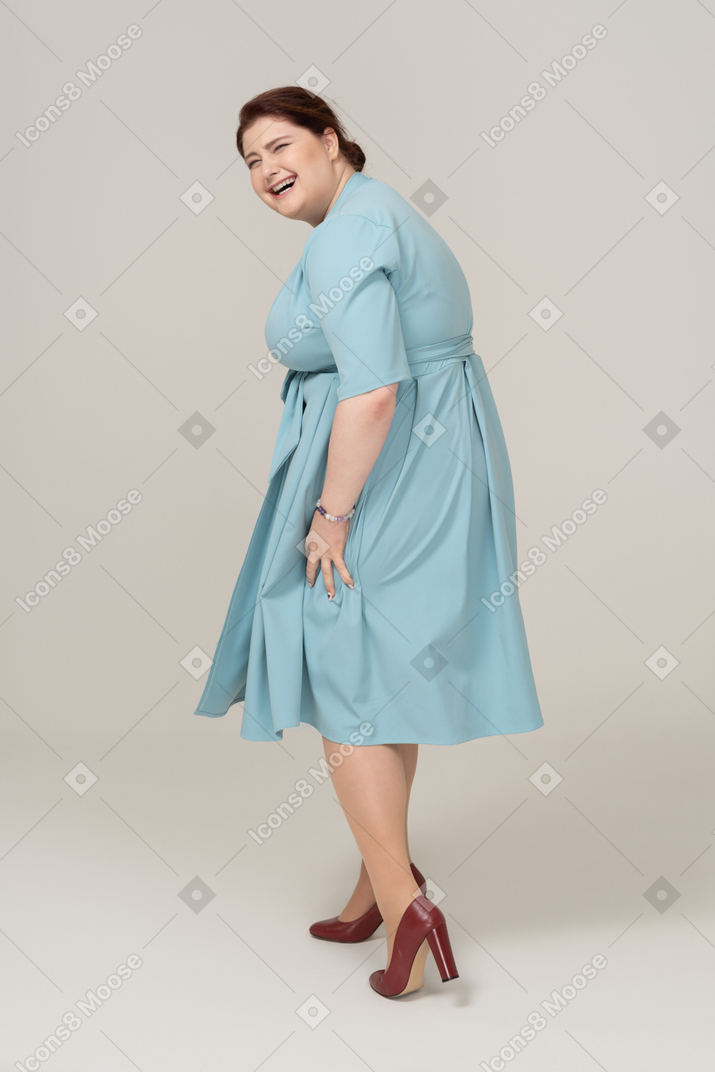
351	586
329	596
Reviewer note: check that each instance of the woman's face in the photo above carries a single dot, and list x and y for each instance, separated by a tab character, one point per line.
276	150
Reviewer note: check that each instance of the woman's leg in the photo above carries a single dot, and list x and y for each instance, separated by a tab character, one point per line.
409	762
372	791
363	896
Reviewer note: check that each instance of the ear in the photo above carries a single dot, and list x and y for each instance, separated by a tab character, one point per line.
330	140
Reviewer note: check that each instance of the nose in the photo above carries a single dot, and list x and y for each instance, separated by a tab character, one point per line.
269	171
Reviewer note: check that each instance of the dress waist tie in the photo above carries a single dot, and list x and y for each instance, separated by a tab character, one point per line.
289	429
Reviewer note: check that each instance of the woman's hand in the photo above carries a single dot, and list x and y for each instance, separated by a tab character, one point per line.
325	544
360	428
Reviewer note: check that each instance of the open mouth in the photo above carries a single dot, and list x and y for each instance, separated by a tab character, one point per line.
281	189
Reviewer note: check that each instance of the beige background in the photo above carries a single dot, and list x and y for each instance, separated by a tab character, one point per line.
612	855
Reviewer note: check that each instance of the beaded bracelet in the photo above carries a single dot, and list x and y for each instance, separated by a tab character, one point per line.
332	517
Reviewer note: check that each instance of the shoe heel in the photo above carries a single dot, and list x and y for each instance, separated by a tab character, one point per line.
439	943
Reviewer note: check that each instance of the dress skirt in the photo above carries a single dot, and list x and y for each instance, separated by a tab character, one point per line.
418	651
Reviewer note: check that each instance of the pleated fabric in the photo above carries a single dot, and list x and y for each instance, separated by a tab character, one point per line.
417	651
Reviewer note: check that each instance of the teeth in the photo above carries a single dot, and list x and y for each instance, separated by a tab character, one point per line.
281	186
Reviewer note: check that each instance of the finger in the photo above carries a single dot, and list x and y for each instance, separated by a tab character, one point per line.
314	546
326	566
343	570
313	558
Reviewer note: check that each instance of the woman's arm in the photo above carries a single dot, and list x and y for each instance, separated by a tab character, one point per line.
360	427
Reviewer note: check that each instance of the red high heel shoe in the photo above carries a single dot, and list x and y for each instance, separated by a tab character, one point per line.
422	923
356	930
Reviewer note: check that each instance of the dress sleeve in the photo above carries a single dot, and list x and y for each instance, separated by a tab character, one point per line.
354	302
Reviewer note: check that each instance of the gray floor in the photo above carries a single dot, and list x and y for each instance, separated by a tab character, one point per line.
155	860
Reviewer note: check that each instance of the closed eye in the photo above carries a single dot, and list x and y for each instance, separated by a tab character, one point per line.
281	146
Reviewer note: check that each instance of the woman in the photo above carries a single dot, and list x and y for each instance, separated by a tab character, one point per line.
374	601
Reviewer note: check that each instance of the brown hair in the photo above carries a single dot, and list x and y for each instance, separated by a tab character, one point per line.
297	105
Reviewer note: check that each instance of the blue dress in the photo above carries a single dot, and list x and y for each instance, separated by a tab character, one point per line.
430	645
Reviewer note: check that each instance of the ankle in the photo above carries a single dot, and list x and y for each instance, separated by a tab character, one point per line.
395	903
